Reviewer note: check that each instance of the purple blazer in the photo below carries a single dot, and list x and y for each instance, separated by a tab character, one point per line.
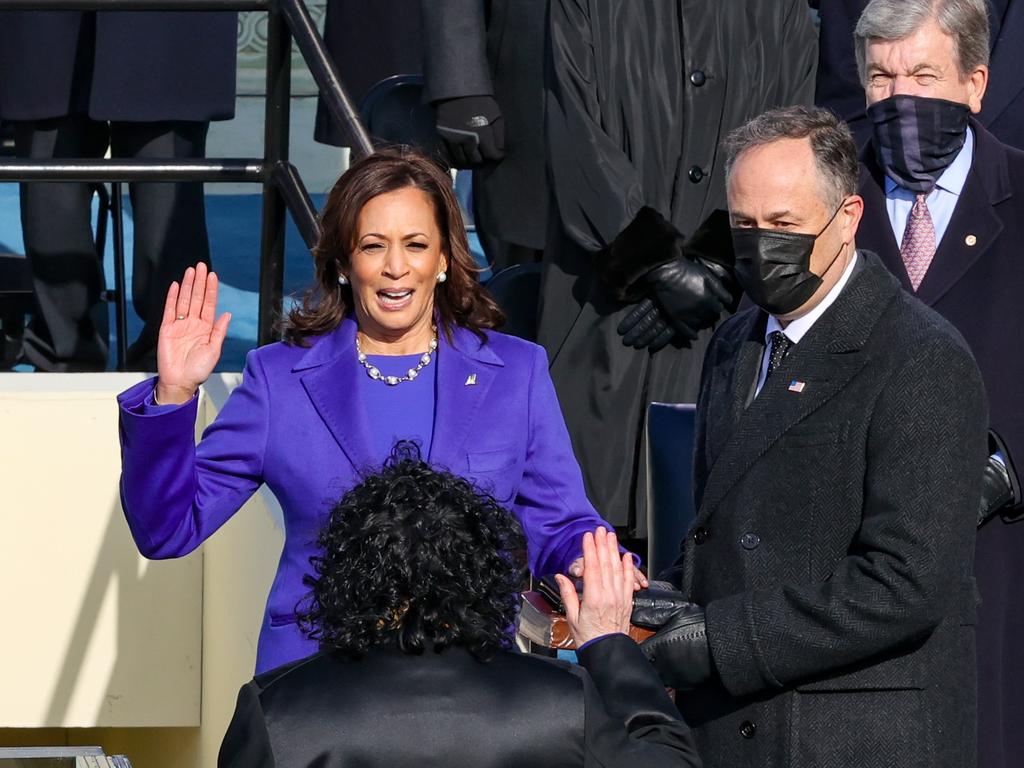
297	423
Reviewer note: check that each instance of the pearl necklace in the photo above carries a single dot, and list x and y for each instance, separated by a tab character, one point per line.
374	372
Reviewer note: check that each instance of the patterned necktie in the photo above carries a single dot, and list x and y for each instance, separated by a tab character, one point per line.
918	247
780	346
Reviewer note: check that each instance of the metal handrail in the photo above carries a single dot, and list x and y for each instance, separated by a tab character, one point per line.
283	190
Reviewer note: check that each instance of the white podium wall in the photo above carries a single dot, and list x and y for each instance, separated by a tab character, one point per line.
99	645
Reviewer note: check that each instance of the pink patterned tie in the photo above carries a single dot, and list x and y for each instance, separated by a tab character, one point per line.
918	248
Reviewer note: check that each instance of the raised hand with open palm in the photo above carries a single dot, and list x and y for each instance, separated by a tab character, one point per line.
191	336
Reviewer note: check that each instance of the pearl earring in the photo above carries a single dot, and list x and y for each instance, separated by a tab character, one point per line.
342	280
442	276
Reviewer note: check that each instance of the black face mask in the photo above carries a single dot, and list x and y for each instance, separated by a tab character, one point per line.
916	138
774	267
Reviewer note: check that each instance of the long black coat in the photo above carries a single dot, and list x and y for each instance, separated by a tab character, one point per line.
639	96
496	48
839	87
369	40
133	66
394	710
979	289
833	541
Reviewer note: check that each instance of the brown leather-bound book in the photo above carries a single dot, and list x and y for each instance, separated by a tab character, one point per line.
541	623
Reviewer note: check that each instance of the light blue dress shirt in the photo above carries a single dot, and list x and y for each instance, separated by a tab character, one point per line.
942	199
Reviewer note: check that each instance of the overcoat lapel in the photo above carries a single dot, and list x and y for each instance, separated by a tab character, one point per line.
875	229
465	372
974	219
824	362
333	386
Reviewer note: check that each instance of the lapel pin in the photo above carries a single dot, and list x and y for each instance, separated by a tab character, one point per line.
796	386
971	240
471	380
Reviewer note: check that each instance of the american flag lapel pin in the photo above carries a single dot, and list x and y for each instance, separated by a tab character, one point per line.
471	380
796	386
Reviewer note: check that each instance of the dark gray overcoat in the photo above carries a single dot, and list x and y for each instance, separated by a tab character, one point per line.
496	48
834	539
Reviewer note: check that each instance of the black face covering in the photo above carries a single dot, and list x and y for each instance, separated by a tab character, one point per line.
774	267
916	138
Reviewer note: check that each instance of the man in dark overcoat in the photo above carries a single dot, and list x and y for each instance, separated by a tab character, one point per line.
841	433
484	74
146	85
369	41
638	97
965	190
839	86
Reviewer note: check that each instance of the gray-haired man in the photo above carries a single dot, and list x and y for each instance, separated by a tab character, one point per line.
840	438
944	209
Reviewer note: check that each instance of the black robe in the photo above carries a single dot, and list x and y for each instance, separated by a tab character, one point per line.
638	97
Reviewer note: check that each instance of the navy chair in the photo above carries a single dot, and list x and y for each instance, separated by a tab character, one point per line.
517	291
394	113
670	506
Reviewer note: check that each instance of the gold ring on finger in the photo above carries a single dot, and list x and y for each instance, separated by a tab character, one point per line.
181	317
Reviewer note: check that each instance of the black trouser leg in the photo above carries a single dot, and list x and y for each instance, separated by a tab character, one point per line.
68	331
170	223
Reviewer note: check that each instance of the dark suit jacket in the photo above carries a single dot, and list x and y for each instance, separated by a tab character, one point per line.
979	289
834	536
496	48
133	66
393	710
839	87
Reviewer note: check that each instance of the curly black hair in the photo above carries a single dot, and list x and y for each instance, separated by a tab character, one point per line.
420	554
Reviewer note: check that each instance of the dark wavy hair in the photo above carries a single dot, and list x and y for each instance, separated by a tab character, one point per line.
418	554
459	301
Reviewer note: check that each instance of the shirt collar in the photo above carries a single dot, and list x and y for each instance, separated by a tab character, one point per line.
953	178
799	327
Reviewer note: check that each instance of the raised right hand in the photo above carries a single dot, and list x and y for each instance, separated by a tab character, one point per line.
607	590
190	339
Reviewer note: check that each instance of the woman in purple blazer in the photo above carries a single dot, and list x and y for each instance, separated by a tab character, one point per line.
396	341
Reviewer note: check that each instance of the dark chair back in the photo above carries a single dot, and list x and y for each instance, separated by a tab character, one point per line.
670	506
394	113
517	291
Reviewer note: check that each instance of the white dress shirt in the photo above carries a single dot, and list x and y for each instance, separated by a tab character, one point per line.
941	200
799	326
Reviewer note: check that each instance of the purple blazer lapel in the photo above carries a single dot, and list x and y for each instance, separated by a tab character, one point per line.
465	371
332	385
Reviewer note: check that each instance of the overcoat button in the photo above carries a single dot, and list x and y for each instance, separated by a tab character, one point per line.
700	535
698	78
747	729
750	541
696	174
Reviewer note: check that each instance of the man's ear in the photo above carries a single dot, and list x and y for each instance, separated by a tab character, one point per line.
852	212
977	84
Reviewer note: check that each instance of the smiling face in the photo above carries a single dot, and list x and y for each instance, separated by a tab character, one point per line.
393	271
922	64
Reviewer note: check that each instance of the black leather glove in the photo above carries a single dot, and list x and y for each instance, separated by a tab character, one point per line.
999	491
679	650
473	130
654	606
692	295
996	489
646	326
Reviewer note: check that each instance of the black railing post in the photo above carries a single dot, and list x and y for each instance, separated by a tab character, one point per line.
279	60
121	299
